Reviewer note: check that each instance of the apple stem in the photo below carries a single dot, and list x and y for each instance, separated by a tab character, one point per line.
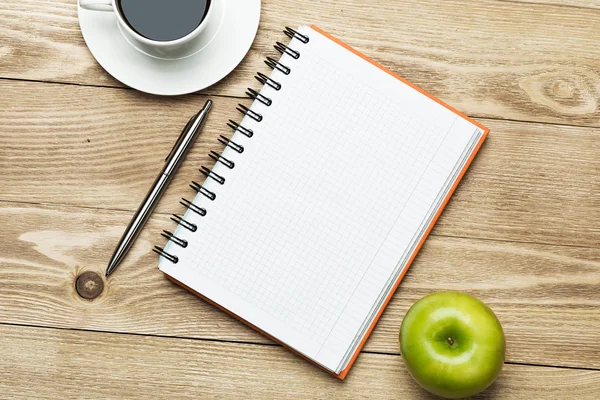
450	341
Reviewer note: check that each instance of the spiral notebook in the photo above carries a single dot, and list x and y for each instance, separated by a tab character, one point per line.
321	199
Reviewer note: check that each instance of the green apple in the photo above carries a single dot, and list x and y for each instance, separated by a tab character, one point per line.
452	344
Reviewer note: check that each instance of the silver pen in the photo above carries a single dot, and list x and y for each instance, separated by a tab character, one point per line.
174	159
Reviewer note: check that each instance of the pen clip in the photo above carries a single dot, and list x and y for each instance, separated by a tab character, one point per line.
181	136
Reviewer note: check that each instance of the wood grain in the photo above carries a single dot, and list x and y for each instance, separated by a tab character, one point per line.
522	232
546	297
581	4
99	365
530	182
508	60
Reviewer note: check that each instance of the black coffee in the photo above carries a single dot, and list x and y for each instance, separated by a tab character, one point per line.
163	20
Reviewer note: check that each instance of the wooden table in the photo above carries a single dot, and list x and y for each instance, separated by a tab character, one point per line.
79	150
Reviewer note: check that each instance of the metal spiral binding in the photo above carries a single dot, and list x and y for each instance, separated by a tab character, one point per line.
292	33
262	78
252	114
228	142
198	210
170	236
209	174
188	225
274	64
237	127
161	252
217	157
283	49
253	94
238	148
201	189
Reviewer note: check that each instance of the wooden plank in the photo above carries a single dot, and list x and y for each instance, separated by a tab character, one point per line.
100	365
546	297
496	59
530	183
568	3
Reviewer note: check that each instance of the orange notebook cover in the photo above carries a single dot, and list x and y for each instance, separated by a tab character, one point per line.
288	52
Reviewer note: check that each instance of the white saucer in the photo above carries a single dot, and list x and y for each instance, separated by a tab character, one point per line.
213	55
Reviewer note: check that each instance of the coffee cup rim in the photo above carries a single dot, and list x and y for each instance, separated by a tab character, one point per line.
167	43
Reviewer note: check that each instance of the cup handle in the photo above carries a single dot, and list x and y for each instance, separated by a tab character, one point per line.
96	5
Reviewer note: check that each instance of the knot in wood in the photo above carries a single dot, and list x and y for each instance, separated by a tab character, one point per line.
89	285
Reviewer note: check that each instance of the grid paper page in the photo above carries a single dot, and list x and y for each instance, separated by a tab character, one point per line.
327	197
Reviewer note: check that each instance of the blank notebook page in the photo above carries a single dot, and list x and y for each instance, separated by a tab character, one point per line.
327	202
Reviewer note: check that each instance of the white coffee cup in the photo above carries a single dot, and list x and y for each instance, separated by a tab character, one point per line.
170	49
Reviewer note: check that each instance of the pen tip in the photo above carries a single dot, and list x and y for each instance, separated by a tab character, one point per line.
110	269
